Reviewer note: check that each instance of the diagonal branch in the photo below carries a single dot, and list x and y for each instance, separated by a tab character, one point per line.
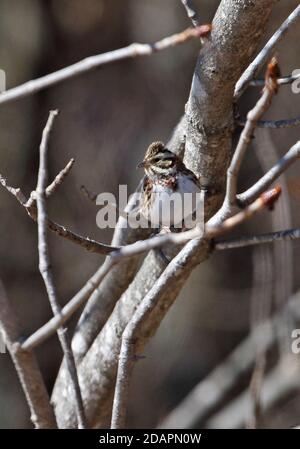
283	164
241	242
45	268
85	242
58	180
92	62
265	53
247	134
192	12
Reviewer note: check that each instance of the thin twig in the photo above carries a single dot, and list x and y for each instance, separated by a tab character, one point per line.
267	199
241	242
69	309
85	242
58	180
92	196
281	81
252	118
274	124
92	62
29	373
45	268
265	53
265	181
191	12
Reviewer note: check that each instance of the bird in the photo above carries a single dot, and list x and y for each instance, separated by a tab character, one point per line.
167	180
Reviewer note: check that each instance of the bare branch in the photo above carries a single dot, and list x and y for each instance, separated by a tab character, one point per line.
17	193
191	12
281	81
92	62
265	53
92	196
30	376
283	164
45	268
85	242
274	124
58	180
287	234
267	199
252	118
125	367
67	311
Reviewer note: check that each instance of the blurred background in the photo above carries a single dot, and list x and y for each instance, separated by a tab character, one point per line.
107	119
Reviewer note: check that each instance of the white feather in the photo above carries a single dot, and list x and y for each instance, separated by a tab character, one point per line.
170	208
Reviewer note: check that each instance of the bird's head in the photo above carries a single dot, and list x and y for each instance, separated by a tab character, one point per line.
158	160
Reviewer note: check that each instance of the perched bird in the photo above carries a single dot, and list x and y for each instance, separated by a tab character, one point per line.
163	199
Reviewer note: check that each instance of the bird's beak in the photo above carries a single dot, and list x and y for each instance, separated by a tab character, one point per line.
142	164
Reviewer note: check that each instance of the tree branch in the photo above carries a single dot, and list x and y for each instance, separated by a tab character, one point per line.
281	81
26	365
58	180
45	267
247	134
265	53
191	12
283	164
92	62
85	242
241	242
274	124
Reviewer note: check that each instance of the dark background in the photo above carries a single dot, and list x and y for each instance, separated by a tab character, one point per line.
107	119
